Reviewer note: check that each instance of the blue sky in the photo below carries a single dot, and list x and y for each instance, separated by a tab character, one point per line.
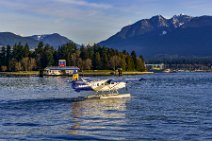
89	21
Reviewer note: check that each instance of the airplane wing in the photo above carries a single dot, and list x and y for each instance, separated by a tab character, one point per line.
101	88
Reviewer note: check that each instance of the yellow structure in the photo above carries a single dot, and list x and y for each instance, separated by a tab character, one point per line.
75	76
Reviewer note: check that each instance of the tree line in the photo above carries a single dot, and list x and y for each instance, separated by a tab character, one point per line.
183	62
20	58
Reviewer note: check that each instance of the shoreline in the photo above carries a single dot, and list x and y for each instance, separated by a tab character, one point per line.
110	73
87	73
20	73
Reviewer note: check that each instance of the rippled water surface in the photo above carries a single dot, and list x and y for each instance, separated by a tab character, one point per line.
163	107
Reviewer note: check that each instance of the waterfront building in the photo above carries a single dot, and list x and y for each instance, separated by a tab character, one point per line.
61	69
155	66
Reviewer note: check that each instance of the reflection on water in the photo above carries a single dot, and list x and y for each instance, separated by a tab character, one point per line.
93	117
162	107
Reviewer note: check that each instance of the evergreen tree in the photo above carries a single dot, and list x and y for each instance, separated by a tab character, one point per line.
83	53
86	57
40	45
26	50
3	59
66	51
3	56
134	58
48	56
105	59
0	58
129	63
8	56
44	56
19	52
97	61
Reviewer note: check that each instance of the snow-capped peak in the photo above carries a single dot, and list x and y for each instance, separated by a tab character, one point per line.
164	32
180	24
39	37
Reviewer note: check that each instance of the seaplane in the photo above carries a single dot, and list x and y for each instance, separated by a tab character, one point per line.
104	89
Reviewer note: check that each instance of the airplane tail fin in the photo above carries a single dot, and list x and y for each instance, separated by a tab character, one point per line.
75	76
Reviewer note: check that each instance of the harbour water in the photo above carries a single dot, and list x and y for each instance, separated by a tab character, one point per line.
163	107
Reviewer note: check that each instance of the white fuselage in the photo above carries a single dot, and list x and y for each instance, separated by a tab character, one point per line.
105	85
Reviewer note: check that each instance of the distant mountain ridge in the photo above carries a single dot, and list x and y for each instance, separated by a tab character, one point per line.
181	35
55	39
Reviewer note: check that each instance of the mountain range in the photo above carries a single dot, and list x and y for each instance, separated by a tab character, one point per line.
181	35
55	39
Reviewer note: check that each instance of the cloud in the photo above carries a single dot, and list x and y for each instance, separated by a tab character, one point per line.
55	8
85	3
79	20
88	20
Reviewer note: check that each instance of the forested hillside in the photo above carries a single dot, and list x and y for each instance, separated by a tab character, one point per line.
21	58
